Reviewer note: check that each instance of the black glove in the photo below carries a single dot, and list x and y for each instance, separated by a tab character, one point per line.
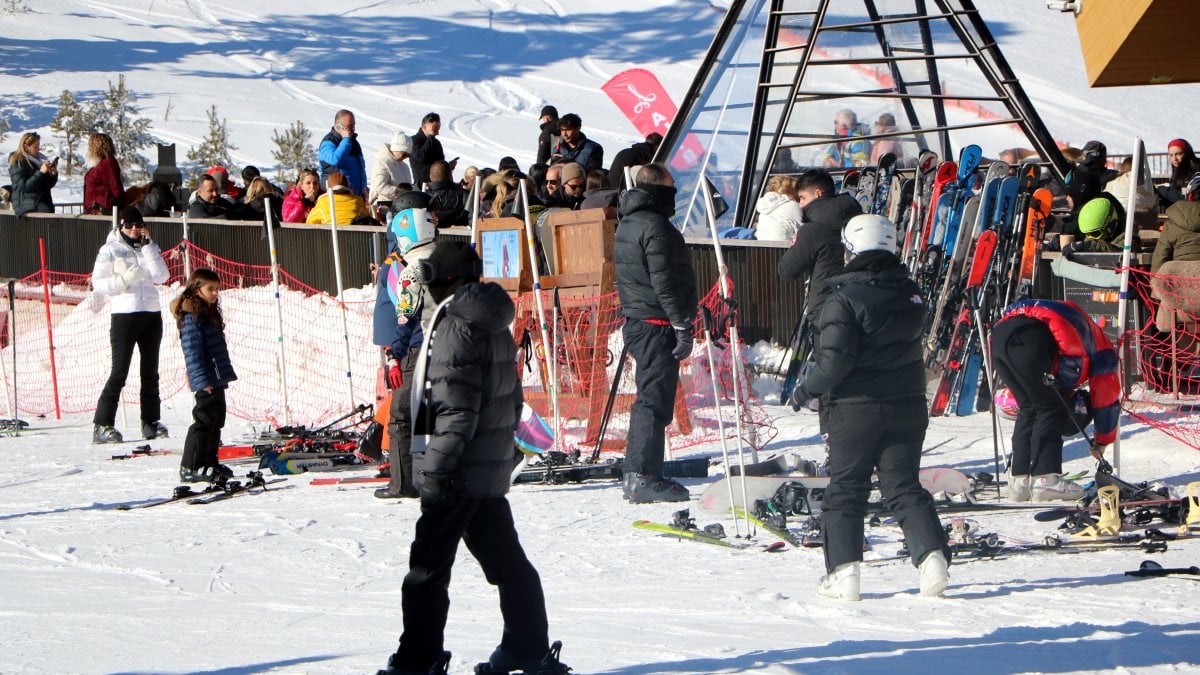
683	343
437	492
799	398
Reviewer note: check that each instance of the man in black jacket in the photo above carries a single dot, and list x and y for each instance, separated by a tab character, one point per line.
465	409
548	135
870	377
635	155
427	149
657	288
449	198
818	252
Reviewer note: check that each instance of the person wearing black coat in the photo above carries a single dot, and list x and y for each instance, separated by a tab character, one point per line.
817	252
548	135
449	198
635	155
869	374
658	294
427	149
467	404
32	176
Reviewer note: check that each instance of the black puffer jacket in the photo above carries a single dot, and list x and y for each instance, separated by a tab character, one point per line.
654	272
31	187
870	333
475	395
818	249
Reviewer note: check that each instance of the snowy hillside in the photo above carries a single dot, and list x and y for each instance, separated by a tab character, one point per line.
487	66
306	579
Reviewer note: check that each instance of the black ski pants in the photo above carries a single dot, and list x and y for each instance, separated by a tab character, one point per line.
400	430
1023	351
143	330
204	436
657	378
486	526
886	436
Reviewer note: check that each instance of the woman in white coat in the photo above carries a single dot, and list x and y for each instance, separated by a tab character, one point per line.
779	215
128	268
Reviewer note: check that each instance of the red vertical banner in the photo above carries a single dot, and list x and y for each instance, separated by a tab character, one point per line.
639	94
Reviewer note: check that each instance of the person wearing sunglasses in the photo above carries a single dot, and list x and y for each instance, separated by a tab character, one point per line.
128	267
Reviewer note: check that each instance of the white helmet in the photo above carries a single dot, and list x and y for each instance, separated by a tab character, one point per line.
869	232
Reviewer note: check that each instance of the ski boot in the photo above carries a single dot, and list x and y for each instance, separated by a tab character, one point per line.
645	488
500	663
106	434
189	475
152	430
440	667
220	474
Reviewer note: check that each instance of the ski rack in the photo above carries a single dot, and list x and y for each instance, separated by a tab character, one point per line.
758	99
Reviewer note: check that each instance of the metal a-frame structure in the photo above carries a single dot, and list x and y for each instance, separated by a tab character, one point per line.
779	71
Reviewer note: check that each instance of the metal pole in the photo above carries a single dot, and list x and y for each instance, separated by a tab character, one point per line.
49	328
337	271
282	356
543	329
1142	175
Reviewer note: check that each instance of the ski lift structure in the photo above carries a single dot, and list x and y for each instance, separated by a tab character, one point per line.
779	71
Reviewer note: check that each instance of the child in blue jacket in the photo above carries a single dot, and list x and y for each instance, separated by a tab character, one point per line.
197	312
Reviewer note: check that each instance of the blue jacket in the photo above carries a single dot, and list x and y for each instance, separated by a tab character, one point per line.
205	353
588	153
345	155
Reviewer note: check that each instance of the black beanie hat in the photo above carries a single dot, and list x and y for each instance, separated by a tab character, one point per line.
451	262
131	215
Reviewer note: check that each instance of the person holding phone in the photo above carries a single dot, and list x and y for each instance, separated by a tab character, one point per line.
33	175
128	268
340	151
427	149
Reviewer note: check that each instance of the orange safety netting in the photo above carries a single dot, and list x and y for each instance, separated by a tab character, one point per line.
313	370
1166	354
588	333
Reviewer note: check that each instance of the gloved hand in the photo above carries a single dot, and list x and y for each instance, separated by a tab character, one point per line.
1097	450
132	275
683	343
437	492
395	378
799	398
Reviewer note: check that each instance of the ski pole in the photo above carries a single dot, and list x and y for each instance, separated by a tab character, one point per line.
707	321
1048	380
12	341
608	405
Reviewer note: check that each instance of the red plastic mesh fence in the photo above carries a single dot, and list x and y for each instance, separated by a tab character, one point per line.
315	357
1166	352
587	331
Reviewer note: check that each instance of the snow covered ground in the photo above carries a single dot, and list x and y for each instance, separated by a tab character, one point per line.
307	579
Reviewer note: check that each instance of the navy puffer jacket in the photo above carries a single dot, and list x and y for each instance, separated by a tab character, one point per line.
204	350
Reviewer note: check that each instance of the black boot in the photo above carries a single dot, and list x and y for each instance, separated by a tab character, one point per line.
500	663
400	485
645	488
439	667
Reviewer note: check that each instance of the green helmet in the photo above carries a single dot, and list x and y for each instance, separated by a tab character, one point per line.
1097	217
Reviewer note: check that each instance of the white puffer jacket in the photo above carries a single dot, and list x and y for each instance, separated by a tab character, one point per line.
117	256
779	217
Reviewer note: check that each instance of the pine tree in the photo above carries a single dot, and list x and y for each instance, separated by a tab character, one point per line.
3	128
74	122
116	115
293	151
214	149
